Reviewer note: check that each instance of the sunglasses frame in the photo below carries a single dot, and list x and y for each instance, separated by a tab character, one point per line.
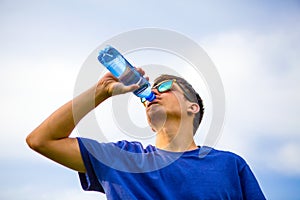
157	87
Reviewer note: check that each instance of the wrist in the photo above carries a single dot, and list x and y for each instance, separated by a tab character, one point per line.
101	93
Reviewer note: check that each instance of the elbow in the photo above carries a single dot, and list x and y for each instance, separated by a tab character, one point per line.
33	142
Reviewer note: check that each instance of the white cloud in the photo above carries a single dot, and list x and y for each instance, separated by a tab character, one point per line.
288	159
31	92
260	72
29	192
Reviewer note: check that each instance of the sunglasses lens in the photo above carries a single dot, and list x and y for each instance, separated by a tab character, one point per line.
165	86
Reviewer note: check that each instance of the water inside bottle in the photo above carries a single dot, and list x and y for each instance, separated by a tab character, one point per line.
117	66
131	76
123	70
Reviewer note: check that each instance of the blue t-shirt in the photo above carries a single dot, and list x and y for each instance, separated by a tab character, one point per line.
127	170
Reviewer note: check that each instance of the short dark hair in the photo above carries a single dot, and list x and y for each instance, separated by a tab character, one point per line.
192	93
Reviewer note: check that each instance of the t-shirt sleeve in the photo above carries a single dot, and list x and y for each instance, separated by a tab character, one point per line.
103	161
250	187
89	180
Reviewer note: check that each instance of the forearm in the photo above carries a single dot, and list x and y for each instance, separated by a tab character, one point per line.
51	138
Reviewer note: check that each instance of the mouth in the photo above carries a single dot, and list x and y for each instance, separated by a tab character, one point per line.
152	103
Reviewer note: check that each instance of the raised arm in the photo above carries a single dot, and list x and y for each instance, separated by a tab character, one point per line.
51	137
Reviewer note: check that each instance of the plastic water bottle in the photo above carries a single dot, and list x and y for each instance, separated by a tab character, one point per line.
125	72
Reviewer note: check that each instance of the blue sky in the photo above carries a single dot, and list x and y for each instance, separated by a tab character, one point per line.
254	45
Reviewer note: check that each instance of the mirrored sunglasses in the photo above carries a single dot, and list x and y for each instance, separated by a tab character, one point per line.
166	86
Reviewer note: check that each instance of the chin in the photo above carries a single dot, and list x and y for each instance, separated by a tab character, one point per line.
156	116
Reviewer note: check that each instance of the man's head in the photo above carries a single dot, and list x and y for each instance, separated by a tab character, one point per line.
186	89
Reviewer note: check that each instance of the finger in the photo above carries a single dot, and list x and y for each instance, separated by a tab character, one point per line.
131	88
120	88
141	71
110	75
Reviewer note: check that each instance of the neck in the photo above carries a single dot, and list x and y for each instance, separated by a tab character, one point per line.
176	137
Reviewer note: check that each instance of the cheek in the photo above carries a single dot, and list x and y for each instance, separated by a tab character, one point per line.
173	102
176	105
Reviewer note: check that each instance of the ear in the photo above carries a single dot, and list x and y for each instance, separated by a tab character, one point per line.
193	108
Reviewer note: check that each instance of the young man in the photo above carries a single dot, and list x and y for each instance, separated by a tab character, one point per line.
175	168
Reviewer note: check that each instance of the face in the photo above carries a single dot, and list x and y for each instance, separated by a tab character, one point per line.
170	104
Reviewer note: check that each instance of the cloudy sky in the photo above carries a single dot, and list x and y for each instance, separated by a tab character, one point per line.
254	45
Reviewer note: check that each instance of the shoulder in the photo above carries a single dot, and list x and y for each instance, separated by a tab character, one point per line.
226	157
134	146
224	153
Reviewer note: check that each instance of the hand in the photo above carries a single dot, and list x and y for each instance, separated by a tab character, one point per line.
113	86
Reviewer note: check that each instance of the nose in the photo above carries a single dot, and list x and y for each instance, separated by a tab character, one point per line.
155	91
